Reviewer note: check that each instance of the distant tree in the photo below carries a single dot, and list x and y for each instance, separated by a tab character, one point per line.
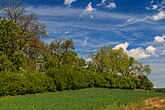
117	61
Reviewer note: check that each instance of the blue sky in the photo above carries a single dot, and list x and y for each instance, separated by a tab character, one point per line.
138	26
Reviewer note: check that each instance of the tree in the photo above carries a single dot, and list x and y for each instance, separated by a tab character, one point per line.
29	26
61	47
117	61
9	37
62	50
5	63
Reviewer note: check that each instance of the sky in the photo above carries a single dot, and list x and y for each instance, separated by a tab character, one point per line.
138	26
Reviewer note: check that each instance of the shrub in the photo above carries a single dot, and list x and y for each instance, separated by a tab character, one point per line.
66	79
142	82
29	83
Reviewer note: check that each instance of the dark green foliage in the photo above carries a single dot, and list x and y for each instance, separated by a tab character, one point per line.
67	79
142	82
162	90
29	83
5	63
117	81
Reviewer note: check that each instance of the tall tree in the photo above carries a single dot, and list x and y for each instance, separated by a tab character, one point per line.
117	61
30	28
9	37
63	49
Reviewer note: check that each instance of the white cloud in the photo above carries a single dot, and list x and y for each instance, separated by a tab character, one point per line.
152	7
89	8
69	2
159	38
111	5
88	60
85	42
159	16
151	50
130	20
124	46
102	3
67	32
138	53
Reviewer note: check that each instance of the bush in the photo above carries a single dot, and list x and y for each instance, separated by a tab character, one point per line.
117	81
66	79
142	82
70	79
29	83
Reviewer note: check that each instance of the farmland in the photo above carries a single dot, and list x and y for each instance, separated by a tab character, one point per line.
84	99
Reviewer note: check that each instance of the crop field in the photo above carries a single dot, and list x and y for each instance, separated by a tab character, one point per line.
85	99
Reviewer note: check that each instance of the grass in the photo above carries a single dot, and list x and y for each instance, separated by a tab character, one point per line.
84	99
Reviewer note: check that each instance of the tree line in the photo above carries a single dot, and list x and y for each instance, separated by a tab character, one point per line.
28	65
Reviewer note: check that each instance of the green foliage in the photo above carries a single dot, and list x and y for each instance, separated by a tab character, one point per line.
162	90
117	81
5	64
9	37
142	82
116	61
63	50
67	79
29	83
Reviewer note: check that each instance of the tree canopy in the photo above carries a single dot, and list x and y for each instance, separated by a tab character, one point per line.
116	61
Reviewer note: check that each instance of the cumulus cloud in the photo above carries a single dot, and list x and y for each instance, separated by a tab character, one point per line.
111	5
157	6
138	53
159	16
160	38
69	2
89	8
151	50
123	45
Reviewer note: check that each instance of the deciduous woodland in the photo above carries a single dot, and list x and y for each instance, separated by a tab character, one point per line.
28	65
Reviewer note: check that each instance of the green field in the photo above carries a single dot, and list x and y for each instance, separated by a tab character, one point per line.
84	99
